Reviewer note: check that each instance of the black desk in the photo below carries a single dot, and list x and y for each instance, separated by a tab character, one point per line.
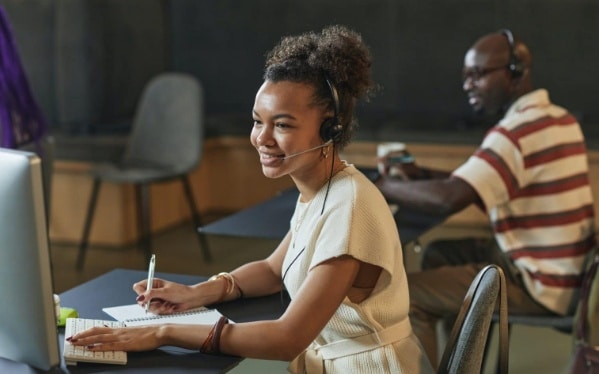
114	288
270	219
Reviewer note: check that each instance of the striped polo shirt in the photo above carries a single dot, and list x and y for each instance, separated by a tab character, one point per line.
531	172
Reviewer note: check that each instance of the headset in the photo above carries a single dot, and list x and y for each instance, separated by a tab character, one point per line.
515	66
331	129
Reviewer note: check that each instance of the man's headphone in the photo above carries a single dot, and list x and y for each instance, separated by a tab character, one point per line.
331	129
515	65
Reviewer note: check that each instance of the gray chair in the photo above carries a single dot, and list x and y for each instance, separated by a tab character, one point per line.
465	349
563	324
166	143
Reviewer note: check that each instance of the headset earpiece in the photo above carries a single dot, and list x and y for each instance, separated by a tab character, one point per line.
515	65
331	129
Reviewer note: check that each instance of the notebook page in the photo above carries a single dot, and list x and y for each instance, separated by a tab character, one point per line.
197	317
123	312
135	315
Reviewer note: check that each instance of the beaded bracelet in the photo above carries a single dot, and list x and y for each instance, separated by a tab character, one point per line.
212	343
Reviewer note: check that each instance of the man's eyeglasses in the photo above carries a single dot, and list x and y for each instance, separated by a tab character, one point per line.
477	73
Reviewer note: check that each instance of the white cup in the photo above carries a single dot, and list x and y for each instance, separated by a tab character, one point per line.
401	156
57	306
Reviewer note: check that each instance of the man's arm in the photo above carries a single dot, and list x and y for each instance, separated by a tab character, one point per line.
435	196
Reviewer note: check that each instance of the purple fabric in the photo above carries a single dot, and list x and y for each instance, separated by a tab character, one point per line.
21	120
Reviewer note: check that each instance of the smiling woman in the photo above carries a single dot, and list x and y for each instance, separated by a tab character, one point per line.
341	262
286	126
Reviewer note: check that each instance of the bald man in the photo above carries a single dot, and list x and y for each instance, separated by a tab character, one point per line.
529	175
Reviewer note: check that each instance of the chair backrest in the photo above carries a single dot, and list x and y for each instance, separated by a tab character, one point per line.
168	128
466	346
586	319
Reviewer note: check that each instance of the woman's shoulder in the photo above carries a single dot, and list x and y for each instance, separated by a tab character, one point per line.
356	176
352	184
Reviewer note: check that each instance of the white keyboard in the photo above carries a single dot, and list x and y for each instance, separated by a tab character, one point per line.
73	354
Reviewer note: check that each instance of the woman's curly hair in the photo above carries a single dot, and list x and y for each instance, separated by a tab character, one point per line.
336	54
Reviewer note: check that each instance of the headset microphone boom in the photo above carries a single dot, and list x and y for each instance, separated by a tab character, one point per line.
308	150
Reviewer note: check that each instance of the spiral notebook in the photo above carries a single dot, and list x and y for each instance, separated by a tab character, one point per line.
135	315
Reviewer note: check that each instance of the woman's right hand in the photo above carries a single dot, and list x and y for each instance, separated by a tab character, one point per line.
166	297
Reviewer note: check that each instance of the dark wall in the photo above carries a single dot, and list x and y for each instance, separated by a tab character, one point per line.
33	29
88	60
417	47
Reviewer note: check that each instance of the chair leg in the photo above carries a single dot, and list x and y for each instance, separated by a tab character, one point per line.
486	352
196	219
509	333
489	337
142	193
88	222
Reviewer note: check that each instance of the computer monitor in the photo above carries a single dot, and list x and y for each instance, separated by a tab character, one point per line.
28	330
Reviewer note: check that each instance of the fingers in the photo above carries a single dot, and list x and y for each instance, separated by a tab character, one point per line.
104	339
160	306
98	345
143	295
127	339
157	304
93	336
140	287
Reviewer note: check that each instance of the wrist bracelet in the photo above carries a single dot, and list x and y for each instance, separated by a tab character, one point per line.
211	344
237	288
230	286
207	345
215	340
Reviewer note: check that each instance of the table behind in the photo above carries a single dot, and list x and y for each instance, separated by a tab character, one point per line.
270	219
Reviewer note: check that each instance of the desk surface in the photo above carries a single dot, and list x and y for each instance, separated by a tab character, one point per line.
114	288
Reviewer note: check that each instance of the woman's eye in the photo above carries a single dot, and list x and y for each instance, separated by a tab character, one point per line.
282	125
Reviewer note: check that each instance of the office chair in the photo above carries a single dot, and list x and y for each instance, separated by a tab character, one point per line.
165	143
563	324
465	349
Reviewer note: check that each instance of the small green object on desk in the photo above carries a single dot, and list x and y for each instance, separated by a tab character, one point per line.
66	313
